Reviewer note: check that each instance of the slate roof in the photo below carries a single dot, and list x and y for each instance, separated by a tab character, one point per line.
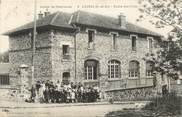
65	20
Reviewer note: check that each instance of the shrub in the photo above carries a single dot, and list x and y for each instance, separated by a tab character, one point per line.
169	103
124	114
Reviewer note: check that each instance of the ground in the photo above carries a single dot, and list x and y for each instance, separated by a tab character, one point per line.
63	110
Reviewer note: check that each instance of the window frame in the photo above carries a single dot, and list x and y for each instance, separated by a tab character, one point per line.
150	46
149	73
114	36
66	54
116	65
4	79
91	43
134	74
67	49
90	70
133	48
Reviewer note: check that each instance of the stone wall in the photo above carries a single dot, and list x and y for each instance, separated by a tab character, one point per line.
103	52
21	53
59	63
144	93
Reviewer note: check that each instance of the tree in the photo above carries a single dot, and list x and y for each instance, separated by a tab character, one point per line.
167	59
163	13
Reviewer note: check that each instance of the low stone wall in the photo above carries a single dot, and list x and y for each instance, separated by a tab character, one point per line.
142	93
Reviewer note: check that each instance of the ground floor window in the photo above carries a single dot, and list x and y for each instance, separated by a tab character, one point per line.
66	78
4	79
91	69
149	68
114	70
134	69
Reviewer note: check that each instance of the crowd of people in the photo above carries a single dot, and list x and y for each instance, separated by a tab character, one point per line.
49	92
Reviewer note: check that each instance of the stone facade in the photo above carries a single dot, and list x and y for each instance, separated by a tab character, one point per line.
59	64
21	53
50	63
79	48
103	53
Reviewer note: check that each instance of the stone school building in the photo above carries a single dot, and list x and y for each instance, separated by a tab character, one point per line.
92	49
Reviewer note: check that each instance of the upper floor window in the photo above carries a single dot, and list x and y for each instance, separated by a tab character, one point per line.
65	51
134	69
149	68
133	42
114	40
114	70
150	44
91	36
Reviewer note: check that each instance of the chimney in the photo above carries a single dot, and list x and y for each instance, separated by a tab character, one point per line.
40	15
122	20
46	13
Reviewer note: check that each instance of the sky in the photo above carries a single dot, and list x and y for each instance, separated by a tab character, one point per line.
14	13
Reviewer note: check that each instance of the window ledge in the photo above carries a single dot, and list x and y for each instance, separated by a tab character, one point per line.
133	78
66	57
89	48
133	51
5	86
114	79
66	60
91	80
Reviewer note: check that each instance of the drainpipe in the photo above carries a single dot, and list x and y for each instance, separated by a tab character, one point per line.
75	52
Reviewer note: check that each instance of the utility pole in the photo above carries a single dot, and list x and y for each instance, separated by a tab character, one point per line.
75	52
168	78
33	40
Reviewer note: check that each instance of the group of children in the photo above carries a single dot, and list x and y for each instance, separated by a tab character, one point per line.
49	92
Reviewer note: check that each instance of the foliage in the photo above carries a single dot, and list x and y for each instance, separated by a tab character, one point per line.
167	59
166	106
165	13
124	114
170	103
